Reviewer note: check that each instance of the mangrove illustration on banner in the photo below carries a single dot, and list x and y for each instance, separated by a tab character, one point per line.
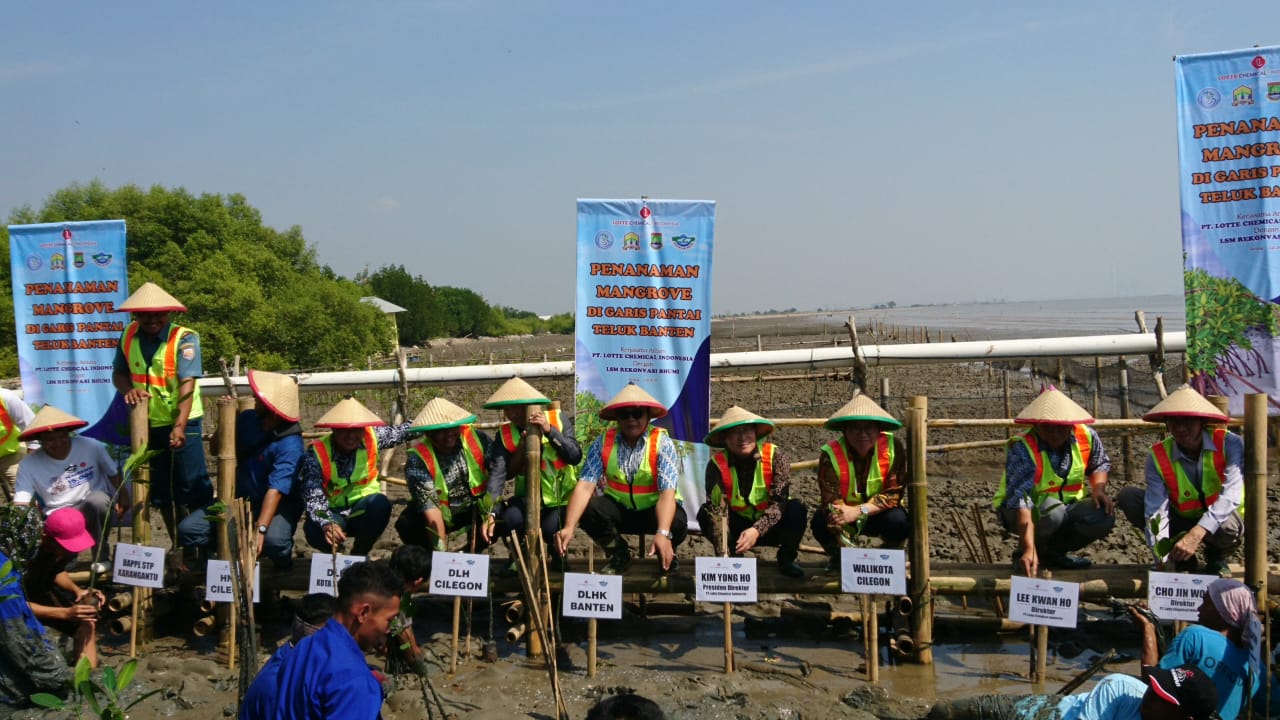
1229	176
67	280
644	316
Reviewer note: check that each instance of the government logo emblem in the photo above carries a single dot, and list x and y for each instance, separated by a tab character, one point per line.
34	262
58	262
1208	98
604	239
102	259
655	241
77	259
1273	91
631	241
684	242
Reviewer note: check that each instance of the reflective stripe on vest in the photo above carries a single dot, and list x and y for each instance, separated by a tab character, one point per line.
473	454
340	491
757	501
160	378
1047	482
885	451
9	445
1185	499
642	492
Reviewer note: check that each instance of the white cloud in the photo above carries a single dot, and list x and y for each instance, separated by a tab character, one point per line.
386	204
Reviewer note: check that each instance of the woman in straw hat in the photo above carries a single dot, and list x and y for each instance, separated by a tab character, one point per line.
340	478
635	467
1053	496
446	475
69	471
159	362
269	450
753	479
521	404
1194	488
861	478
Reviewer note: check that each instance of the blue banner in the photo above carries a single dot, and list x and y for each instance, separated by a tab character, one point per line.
67	280
1229	175
644	316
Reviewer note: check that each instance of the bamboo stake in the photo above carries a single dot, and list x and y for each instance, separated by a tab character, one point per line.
1008	401
1097	386
918	490
533	522
871	638
1255	511
139	431
531	598
226	494
453	638
591	623
728	607
1125	413
976	511
1041	635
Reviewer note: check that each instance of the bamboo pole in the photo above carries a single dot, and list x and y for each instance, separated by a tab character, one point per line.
533	525
139	431
1126	413
1097	386
884	391
728	607
1008	402
226	437
1040	652
532	598
871	637
918	495
1255	510
591	623
453	638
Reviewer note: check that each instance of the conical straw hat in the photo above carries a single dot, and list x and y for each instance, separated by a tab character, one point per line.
151	298
278	392
51	418
349	414
733	417
861	407
1185	402
1053	407
632	396
440	414
515	392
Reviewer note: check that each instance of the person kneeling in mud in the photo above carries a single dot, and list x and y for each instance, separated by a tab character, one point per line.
1182	693
861	477
754	480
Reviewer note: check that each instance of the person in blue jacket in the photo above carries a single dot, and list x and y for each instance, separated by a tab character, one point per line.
313	612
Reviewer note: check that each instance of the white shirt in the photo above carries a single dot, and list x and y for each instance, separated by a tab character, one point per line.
67	482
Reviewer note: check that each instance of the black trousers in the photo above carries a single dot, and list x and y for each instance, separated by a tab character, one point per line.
605	521
785	535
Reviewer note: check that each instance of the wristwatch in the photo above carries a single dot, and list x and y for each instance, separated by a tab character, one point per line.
262	529
665	533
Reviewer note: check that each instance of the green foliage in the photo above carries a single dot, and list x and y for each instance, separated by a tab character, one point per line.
103	699
1219	311
250	289
424	318
587	422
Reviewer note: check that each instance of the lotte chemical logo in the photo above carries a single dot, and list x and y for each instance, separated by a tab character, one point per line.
645	213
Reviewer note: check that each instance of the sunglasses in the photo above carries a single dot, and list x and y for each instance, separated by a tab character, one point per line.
631	413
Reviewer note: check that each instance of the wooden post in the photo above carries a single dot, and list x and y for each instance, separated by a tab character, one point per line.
591	624
1040	656
227	612
884	391
728	607
871	638
533	524
1126	413
918	501
139	431
1255	489
453	637
1097	386
1008	401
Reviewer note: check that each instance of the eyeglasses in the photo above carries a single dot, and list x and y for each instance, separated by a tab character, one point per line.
631	413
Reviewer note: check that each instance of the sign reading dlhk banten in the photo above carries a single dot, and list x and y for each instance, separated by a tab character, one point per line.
873	571
139	566
1175	596
1043	602
218	582
726	579
323	577
592	596
459	574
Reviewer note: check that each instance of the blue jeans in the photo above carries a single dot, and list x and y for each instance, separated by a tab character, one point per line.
179	476
364	524
196	530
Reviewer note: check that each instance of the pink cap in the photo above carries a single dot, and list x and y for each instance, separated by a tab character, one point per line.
66	525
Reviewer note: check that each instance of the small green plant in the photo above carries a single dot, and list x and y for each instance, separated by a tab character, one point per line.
104	699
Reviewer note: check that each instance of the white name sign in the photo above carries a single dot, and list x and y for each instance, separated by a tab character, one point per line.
592	596
1176	596
1043	602
872	571
459	574
218	582
323	579
138	565
731	580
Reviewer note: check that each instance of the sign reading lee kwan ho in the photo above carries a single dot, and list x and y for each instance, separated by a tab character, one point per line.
732	580
218	582
1175	596
1043	602
139	565
322	576
873	571
592	596
459	574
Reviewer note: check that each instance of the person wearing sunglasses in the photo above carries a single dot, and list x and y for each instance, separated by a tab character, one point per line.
861	478
635	468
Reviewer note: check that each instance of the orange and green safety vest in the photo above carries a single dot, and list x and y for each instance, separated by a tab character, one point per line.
1068	489
1184	497
877	471
343	492
9	433
160	378
757	501
473	453
641	493
558	477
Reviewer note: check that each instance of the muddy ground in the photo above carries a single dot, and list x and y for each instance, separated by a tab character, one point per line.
790	666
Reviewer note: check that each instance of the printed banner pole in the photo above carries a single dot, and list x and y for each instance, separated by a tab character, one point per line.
67	280
644	316
1229	177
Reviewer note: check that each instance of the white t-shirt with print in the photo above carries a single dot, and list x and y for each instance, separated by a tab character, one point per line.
66	482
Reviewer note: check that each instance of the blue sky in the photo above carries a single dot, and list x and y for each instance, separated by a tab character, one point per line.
858	152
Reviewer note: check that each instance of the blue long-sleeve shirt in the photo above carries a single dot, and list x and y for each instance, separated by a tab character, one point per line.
266	460
325	676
